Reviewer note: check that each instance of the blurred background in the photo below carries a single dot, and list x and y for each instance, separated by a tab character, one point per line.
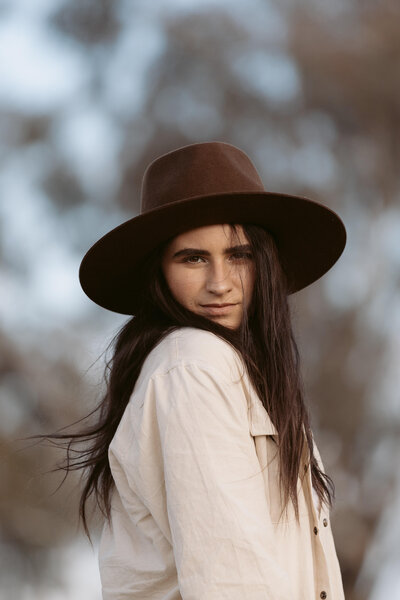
90	92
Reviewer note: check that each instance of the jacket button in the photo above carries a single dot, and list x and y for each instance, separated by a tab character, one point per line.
325	522
315	530
323	595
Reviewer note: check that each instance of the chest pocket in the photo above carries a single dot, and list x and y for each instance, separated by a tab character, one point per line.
266	445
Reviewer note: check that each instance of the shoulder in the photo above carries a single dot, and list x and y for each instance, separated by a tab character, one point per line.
191	346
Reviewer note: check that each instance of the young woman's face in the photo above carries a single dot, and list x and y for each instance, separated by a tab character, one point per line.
210	271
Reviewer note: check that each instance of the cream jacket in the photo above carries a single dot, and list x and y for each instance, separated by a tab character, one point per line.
196	506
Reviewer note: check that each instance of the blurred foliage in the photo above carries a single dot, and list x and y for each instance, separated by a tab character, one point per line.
88	21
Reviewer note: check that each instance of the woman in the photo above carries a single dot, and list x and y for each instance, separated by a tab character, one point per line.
203	459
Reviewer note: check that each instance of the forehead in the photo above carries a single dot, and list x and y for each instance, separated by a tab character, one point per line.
210	235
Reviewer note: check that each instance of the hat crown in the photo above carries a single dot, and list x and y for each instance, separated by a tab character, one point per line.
198	170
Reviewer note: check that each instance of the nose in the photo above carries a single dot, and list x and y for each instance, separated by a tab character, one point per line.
219	281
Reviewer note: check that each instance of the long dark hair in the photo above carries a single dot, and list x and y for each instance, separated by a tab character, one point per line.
266	343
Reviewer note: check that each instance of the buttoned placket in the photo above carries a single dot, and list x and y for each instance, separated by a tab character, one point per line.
322	587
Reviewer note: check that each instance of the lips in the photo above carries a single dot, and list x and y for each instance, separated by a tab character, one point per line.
218	305
218	309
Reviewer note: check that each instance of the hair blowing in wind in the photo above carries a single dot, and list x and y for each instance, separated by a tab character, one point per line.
266	344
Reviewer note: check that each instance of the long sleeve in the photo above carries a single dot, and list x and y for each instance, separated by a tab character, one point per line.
215	493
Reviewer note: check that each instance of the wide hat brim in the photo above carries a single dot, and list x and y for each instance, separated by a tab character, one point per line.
309	236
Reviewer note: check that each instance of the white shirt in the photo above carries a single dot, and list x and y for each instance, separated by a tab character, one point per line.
196	512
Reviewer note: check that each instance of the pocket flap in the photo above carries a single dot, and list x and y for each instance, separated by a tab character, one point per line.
259	420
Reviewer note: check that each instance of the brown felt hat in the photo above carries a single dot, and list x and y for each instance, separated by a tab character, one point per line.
206	184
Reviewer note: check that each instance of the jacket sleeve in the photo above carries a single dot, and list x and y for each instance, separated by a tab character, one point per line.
216	500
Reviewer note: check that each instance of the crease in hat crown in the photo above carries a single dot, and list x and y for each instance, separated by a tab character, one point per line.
203	169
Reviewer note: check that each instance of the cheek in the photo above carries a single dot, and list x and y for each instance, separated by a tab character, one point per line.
183	285
248	283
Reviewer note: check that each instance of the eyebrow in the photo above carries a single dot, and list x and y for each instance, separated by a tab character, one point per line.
199	251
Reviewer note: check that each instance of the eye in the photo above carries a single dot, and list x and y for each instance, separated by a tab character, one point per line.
194	259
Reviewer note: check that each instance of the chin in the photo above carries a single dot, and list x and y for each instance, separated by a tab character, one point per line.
228	323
